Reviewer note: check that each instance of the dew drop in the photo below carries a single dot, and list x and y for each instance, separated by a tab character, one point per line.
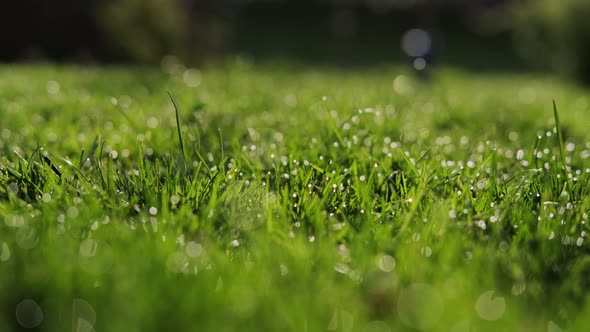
452	214
72	212
426	251
386	263
46	198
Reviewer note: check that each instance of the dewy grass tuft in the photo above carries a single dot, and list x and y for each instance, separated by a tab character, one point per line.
305	200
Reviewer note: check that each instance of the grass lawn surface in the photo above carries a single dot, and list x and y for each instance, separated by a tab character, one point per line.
280	197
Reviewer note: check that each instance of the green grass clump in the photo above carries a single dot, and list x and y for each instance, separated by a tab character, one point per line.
276	198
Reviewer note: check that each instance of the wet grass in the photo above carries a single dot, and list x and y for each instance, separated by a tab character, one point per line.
284	198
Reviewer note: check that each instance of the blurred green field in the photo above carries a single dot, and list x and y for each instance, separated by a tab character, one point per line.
297	198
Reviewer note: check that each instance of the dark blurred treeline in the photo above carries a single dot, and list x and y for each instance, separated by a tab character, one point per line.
144	30
483	34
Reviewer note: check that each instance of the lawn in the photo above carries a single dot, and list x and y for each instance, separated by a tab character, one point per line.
283	197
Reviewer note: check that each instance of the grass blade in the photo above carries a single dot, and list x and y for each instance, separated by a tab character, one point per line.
178	127
51	165
561	148
559	135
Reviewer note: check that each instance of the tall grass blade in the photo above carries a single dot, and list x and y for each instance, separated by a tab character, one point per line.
181	143
559	135
561	148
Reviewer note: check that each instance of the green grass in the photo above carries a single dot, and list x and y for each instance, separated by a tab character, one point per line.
290	198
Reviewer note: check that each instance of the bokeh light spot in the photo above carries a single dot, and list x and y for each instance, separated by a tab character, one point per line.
4	252
386	263
552	327
377	326
419	63
88	247
29	314
192	77
489	307
26	237
84	316
416	42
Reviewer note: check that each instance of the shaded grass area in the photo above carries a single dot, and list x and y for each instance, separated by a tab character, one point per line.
295	199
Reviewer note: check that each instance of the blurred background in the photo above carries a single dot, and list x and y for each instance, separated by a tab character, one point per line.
482	35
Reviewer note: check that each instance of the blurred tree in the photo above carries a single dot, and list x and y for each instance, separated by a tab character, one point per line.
555	34
143	30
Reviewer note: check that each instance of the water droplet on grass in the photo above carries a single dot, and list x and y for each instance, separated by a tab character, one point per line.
72	212
481	224
452	214
46	198
386	263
